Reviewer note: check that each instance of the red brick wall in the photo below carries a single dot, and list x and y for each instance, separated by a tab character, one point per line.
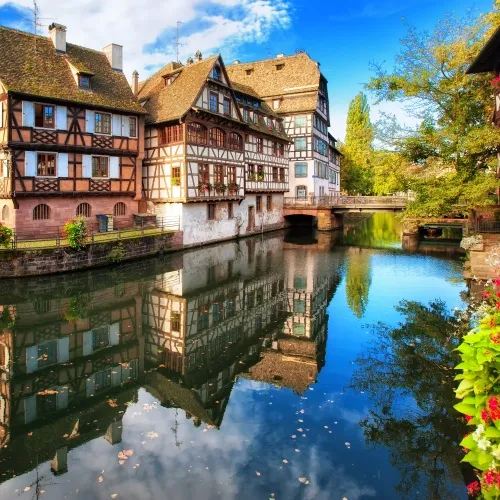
10	220
64	208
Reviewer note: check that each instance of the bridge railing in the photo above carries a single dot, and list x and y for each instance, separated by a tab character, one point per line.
340	200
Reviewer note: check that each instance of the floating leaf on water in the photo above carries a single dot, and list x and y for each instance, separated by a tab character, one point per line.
285	461
303	480
293	436
27	488
100	479
152	435
258	473
114	495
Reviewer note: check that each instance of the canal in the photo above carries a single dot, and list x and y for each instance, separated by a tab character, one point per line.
295	365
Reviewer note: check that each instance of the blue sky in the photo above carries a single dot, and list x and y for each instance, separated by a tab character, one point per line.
343	36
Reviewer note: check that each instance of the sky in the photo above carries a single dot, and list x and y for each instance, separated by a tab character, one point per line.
345	37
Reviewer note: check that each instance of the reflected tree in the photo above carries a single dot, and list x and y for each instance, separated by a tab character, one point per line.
408	373
381	230
358	280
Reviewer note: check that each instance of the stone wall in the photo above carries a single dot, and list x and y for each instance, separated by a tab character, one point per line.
16	263
479	265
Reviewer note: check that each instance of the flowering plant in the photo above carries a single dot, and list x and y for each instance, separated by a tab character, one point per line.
233	187
219	187
495	82
204	187
479	392
5	235
471	241
251	177
260	176
75	231
176	181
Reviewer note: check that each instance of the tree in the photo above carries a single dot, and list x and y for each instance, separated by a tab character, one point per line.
356	167
455	138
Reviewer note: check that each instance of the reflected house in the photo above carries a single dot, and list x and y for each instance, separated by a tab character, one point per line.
67	357
209	324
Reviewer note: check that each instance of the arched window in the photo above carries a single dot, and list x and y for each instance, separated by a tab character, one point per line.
120	209
217	137
197	133
216	72
235	141
301	191
41	212
83	210
5	212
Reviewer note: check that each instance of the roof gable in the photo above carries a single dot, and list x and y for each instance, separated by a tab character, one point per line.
30	65
489	57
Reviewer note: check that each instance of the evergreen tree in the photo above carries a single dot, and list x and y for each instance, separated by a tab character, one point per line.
356	169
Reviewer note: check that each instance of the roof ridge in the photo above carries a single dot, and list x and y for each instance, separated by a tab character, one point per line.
273	59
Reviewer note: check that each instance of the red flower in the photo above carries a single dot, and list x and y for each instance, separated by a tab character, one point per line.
485	416
486	294
473	488
492	322
498	306
495	414
489	477
497	281
468	418
493	403
495	81
495	338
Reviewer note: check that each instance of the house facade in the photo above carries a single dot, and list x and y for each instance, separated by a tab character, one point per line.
210	161
296	90
71	134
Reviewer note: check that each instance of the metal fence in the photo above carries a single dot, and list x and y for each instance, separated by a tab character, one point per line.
53	236
487	226
340	200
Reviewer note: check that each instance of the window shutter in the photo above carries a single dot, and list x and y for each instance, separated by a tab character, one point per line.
125	126
30	163
114	334
90	386
117	125
30	409
62	165
62	118
87	343
63	350
62	398
32	359
116	376
114	167
86	166
89	121
28	114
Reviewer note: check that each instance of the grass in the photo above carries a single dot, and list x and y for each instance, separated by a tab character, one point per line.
98	238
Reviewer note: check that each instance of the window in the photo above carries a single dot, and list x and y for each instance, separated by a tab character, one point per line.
279	67
197	133
275	174
219	173
46	403
100	338
171	134
270	124
255	117
217	137
299	306
132	126
281	150
282	174
203	173
300	282
269	203
100	166
249	71
275	148
176	176
260	145
246	115
44	116
47	353
103	123
227	106
300	144
46	165
119	209
235	141
216	73
84	82
41	212
320	146
231	175
83	210
301	191
260	173
276	103
5	212
230	212
103	380
211	211
214	102
301	169
300	121
203	320
258	204
299	329
217	313
251	172
175	322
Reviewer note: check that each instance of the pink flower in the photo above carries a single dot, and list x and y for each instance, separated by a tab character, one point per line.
485	416
473	488
468	418
489	477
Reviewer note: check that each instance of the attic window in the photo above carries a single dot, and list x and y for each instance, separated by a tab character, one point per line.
216	73
249	71
84	82
280	66
276	103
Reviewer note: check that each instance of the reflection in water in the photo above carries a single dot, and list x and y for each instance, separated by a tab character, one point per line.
225	369
378	230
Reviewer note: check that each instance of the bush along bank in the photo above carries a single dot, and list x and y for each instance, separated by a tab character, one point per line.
479	394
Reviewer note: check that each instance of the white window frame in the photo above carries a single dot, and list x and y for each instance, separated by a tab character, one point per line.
92	165
34	116
110	124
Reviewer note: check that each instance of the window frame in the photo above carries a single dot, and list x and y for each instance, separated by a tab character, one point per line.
80	85
47	154
300	164
211	95
100	114
300	139
107	166
296	120
47	211
230	210
220	133
43	126
133	119
234	139
211	207
218	174
119	204
226	107
258	204
269	202
197	133
203	168
301	188
87	210
260	145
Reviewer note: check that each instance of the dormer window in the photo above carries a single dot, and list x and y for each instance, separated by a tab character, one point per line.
249	71
216	73
255	117
276	103
279	67
84	82
246	115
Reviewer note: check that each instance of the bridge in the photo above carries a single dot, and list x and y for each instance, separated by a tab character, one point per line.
328	210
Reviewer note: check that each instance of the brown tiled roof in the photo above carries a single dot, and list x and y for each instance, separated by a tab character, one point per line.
30	65
299	73
171	102
299	104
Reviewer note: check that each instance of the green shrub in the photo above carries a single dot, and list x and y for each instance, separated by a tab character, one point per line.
117	254
5	235
75	231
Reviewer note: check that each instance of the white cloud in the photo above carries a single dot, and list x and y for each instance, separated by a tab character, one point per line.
226	25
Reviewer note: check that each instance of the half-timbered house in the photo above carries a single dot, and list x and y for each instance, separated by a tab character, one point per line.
296	90
198	134
70	133
334	156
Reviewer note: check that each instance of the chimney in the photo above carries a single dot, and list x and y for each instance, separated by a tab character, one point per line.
135	82
279	56
189	61
114	53
57	33
198	56
237	61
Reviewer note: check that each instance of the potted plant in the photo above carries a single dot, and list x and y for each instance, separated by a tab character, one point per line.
233	188
5	235
260	175
176	181
204	187
251	176
219	187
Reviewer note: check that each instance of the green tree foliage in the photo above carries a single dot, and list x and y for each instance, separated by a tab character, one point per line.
389	173
357	150
358	280
455	137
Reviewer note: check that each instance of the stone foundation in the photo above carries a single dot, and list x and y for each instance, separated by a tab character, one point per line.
478	267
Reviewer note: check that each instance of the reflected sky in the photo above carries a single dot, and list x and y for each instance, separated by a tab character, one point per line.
223	372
